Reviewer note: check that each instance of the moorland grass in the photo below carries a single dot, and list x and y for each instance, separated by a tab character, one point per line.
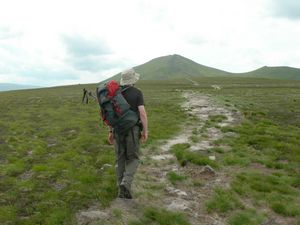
53	148
173	177
223	201
184	155
161	216
265	148
249	217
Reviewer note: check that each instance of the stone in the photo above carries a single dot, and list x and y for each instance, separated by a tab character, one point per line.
86	217
105	166
207	170
212	157
175	191
178	205
162	157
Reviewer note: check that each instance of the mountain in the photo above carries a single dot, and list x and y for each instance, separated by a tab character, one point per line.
173	67
280	72
179	67
9	87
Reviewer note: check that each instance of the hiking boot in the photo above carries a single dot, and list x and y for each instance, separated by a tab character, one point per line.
121	193
126	192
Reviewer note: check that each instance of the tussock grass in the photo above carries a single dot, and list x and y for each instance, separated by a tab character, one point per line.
161	216
183	155
223	201
8	214
173	177
249	217
217	118
213	121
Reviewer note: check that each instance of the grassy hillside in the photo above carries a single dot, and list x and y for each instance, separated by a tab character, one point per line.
284	72
179	67
53	152
174	67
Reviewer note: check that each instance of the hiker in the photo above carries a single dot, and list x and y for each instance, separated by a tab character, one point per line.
85	98
127	144
91	95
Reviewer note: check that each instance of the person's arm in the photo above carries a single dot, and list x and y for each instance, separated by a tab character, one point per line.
144	120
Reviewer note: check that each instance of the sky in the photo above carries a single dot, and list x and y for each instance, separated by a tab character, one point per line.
60	42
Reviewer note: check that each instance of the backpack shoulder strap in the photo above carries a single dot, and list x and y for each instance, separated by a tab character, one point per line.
124	88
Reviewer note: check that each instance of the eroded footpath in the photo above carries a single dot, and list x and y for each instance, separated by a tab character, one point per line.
151	186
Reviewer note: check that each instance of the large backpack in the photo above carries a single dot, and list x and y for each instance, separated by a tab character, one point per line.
115	110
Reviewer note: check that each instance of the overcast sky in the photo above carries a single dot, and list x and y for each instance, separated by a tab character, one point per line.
57	42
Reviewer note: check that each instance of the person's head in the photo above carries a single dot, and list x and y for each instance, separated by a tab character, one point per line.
129	77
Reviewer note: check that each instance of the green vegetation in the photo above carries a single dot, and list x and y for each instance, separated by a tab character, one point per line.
274	190
283	72
117	213
212	121
249	217
174	177
264	150
223	201
183	155
53	148
161	217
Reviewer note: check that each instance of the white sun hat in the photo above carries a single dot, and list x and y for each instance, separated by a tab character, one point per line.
129	77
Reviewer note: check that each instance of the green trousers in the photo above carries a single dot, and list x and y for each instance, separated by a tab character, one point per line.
127	155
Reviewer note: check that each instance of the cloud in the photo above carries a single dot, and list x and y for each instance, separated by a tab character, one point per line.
65	60
37	75
18	65
79	46
90	54
45	73
231	35
8	33
288	8
94	64
195	39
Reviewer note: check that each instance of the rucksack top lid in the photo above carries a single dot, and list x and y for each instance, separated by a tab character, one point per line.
112	87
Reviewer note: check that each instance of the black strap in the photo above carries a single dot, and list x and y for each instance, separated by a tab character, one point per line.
124	88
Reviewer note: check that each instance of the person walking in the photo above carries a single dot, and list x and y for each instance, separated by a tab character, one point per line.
127	145
91	95
85	98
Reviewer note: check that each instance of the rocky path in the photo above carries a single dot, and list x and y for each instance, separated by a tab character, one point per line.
152	186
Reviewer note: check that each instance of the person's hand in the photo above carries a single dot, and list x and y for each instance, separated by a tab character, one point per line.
144	136
110	138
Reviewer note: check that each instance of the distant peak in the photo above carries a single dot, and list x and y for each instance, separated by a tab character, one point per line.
178	56
277	67
172	56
